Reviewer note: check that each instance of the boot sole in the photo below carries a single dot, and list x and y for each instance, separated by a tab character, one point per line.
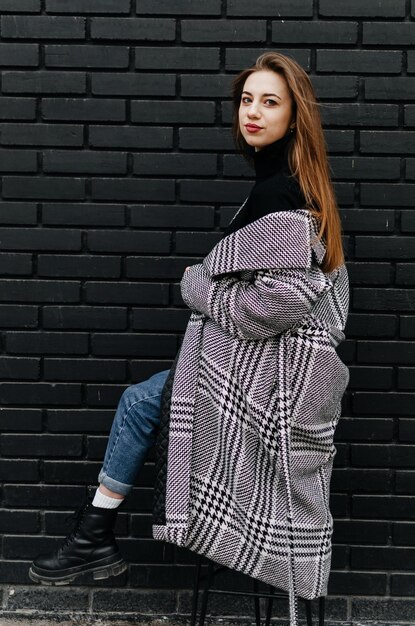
99	573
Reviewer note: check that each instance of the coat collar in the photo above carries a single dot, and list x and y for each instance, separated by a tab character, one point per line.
276	240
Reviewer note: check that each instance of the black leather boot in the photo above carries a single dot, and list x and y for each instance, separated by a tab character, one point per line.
90	547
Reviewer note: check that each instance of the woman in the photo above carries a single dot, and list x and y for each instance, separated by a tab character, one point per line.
269	304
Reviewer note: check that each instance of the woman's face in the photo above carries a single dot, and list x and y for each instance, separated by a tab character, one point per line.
267	104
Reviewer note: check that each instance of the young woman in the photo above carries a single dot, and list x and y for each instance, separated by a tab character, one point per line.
277	128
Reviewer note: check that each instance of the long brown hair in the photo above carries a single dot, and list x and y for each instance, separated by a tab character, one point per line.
307	155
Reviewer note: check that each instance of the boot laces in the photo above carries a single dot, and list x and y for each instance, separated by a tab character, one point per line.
76	517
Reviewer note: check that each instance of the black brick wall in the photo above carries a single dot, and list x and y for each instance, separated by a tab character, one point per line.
117	171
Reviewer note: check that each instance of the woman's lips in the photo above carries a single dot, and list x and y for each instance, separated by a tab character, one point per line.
251	128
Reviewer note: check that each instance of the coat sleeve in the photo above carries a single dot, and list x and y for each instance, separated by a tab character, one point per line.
274	301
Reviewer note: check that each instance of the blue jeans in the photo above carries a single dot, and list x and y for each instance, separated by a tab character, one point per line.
132	433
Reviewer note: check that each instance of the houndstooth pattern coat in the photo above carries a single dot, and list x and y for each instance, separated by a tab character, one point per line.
254	403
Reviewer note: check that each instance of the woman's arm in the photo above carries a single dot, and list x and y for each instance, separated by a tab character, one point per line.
276	300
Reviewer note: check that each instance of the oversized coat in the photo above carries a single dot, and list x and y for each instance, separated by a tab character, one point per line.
245	450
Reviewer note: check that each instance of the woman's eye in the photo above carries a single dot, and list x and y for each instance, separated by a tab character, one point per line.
272	101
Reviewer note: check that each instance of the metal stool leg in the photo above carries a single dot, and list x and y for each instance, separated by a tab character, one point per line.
196	591
256	603
321	610
308	612
269	607
205	594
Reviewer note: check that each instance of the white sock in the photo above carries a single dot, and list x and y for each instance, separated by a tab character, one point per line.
105	502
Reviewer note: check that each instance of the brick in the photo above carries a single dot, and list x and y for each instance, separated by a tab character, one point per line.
63	472
371	377
392	88
354	8
84	369
14	161
368	325
129	599
21	342
19	368
360	114
385	247
88	6
210	85
126	293
357	583
214	191
40	239
407	326
383	403
127	344
18	213
84	317
403	533
266	8
383	507
384	299
42	445
17	264
27	420
130	137
406	429
79	266
172	216
18	521
39	291
86	56
84	109
237	59
85	214
314	32
138	29
162	268
17	108
402	585
174	164
405	274
157	319
45	188
363	429
361	273
355	168
42	27
359	61
128	190
128	241
39	394
205	138
79	420
43	82
24	6
395	33
41	135
175	58
405	482
223	30
181	7
392	142
171	112
21	470
48	599
372	455
73	162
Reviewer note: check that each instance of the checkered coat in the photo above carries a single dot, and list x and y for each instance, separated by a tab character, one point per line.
253	403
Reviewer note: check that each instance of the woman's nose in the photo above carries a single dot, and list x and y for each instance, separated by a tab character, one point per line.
253	109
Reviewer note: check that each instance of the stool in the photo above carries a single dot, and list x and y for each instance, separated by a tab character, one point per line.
212	571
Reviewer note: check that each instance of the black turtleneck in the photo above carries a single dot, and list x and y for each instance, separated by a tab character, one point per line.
275	189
